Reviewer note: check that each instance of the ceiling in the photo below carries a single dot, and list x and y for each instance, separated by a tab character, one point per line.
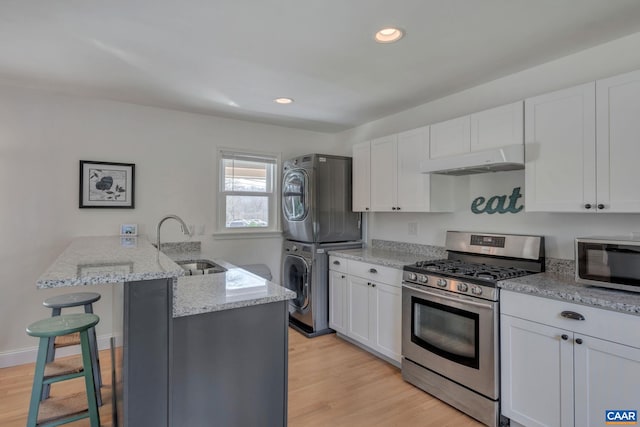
231	58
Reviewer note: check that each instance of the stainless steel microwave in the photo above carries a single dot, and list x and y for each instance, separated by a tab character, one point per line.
610	262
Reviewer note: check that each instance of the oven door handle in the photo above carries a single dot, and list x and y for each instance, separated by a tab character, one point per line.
448	298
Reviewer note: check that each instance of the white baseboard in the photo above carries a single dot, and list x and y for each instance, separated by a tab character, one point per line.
28	355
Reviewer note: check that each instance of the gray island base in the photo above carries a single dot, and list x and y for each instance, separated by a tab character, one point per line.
197	351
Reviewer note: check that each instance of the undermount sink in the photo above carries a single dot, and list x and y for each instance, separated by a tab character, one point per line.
200	266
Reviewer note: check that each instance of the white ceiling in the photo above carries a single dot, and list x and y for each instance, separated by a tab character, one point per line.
230	58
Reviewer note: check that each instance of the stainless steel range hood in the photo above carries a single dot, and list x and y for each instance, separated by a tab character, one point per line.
506	158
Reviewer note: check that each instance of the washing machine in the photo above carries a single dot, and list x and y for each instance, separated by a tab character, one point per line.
305	270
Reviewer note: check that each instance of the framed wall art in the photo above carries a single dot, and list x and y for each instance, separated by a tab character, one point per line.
107	185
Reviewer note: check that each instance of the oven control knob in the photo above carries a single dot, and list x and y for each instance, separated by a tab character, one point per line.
476	290
442	283
412	276
423	279
294	248
462	287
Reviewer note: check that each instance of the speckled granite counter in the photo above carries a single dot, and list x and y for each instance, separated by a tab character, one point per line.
565	288
235	288
387	258
104	260
97	260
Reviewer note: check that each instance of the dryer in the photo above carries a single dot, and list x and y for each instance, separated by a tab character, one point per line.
316	200
305	270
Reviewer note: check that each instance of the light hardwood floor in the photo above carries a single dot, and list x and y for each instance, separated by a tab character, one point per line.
331	383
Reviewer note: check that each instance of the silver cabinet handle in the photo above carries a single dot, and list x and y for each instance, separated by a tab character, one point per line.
572	315
373	270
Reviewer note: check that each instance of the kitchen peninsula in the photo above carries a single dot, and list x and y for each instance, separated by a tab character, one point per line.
197	350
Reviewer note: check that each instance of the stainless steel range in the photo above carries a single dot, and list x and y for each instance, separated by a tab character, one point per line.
450	318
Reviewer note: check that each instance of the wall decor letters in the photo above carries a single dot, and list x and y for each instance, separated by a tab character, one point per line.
496	204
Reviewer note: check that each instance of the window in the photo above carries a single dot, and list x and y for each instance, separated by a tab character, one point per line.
247	196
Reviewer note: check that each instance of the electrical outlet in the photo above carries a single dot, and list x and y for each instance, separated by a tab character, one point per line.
413	229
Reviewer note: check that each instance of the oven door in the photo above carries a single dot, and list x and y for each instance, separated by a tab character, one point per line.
452	335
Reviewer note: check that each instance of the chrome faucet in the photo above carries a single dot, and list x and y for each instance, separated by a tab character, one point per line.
185	228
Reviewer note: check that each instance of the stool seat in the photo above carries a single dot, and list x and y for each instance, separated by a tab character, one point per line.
71	300
62	325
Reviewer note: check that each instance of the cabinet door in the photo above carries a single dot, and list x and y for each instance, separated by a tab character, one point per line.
359	314
497	127
413	186
537	373
338	301
450	137
618	144
384	174
607	376
361	177
560	163
387	314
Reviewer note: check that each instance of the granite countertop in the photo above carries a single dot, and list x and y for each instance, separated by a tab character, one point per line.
207	293
100	260
389	258
110	260
565	288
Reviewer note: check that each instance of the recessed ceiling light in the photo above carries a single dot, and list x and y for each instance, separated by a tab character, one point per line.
283	100
389	35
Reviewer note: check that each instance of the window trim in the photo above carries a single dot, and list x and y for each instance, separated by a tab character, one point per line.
223	232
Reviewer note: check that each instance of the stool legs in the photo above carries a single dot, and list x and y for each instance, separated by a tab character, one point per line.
38	381
87	363
93	342
51	353
37	388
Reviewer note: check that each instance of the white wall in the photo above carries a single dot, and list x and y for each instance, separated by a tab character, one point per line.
42	138
560	230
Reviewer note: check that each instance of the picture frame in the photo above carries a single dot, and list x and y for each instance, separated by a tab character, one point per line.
107	185
129	229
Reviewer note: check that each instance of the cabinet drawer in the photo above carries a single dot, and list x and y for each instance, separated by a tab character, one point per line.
378	273
338	264
600	323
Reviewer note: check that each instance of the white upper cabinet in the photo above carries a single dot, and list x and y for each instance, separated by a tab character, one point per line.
571	168
560	142
396	181
497	127
361	193
618	143
384	173
451	137
413	187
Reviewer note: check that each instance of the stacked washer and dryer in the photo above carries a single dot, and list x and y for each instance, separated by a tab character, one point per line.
316	218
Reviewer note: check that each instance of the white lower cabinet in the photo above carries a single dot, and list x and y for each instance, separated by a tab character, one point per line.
367	309
360	324
607	376
557	371
338	301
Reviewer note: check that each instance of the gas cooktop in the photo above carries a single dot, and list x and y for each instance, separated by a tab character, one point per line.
466	270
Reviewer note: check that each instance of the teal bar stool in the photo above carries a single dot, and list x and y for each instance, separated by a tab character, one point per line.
77	299
53	412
